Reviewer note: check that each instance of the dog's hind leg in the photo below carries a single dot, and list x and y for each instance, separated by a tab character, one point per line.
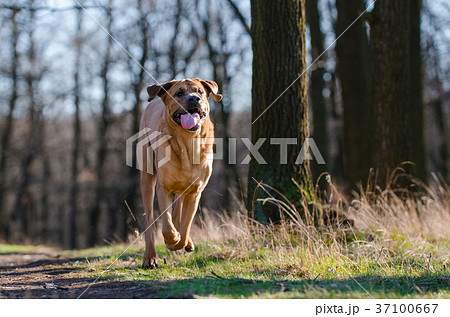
170	233
148	181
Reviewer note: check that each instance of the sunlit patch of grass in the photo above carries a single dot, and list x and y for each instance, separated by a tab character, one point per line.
14	248
392	248
215	270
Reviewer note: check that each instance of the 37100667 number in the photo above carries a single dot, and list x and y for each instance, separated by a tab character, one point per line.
406	308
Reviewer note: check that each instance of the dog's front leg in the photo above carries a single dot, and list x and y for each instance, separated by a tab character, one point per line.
170	233
176	214
190	205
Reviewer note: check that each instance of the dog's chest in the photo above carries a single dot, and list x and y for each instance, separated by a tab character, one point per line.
187	181
183	174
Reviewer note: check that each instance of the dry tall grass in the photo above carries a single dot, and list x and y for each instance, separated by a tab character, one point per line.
376	223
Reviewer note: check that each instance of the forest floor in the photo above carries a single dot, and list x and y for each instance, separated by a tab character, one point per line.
218	270
384	245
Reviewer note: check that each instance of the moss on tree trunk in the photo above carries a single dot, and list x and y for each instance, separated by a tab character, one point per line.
279	58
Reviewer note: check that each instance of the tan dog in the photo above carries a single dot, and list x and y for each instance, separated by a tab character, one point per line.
181	112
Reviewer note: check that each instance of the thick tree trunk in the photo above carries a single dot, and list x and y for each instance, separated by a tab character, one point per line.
353	70
317	85
279	58
391	87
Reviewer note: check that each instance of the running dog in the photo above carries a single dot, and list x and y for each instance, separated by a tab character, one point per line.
181	115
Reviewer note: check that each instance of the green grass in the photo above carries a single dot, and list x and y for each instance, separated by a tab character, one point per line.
389	246
225	270
15	248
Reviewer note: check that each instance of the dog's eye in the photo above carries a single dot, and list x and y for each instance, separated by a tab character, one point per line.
179	93
200	92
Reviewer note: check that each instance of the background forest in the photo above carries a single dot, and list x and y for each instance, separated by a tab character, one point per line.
70	95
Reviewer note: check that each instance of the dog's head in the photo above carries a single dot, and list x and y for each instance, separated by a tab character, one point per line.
186	100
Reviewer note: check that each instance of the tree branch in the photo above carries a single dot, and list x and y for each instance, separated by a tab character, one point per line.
31	8
241	18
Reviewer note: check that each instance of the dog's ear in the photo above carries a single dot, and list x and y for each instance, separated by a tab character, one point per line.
212	87
159	89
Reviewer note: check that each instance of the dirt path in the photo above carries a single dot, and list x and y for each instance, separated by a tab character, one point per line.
48	274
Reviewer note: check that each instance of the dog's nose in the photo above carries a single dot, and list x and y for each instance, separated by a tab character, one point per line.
193	100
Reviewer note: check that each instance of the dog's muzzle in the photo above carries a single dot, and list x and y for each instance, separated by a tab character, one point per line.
190	118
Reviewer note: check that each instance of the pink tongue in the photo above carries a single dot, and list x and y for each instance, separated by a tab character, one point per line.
188	120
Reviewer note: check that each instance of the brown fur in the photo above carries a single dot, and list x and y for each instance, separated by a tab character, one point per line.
179	176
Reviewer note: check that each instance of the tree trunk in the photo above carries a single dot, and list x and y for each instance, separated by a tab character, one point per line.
391	95
317	85
7	133
173	50
437	107
103	126
219	58
70	239
279	58
24	207
415	113
133	176
353	70
46	193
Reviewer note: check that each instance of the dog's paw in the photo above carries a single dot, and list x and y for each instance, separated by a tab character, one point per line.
190	246
150	263
175	247
171	237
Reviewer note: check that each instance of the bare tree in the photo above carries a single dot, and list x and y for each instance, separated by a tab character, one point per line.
9	125
241	18
173	52
70	239
317	86
102	131
143	32
353	70
416	111
25	207
219	55
438	151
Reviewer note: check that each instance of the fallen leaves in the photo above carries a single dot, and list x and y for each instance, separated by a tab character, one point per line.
296	270
293	269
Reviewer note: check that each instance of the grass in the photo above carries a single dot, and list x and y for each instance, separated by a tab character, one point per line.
15	248
382	245
222	270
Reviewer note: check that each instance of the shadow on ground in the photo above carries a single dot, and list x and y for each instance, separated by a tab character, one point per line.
40	275
360	287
